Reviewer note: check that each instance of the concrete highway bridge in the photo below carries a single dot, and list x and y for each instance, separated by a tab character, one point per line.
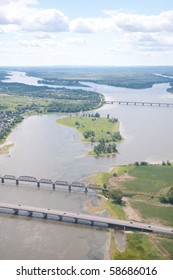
75	184
79	218
140	103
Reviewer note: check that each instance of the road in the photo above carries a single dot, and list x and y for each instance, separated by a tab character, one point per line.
91	219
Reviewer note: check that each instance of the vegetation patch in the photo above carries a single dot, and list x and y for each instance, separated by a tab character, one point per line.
155	213
138	247
6	148
93	129
150	178
167	245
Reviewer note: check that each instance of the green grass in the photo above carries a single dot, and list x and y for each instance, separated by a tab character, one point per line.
150	179
101	178
167	244
100	126
138	247
13	101
161	213
115	210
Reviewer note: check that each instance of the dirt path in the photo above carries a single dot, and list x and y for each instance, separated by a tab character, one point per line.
130	212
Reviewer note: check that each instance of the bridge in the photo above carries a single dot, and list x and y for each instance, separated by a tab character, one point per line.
70	186
140	103
78	218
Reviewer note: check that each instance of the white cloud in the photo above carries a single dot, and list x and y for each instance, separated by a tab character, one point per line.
80	41
83	25
48	20
31	43
133	22
21	2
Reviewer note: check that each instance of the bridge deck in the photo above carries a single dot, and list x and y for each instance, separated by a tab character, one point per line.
140	103
93	220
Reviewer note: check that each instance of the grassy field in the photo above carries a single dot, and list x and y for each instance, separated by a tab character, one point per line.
150	179
138	247
142	185
163	214
167	245
13	101
102	127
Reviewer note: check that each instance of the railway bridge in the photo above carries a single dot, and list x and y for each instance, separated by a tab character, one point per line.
70	186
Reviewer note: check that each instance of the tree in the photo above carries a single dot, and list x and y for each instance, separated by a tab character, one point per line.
97	115
116	196
170	195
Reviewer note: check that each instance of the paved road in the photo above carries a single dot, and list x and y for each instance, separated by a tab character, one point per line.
92	220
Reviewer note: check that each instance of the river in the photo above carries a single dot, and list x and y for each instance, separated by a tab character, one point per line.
44	149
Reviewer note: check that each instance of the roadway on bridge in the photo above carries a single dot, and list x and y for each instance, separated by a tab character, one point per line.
93	220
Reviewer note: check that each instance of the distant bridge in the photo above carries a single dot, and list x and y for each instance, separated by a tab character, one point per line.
75	184
140	103
78	218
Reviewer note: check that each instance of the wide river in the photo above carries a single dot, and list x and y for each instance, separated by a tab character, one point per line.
45	149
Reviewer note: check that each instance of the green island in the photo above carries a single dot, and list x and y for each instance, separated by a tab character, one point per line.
95	129
136	193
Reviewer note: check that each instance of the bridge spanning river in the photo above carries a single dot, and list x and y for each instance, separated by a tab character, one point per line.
75	184
140	103
78	218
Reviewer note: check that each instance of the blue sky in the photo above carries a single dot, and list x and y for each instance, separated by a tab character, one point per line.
92	32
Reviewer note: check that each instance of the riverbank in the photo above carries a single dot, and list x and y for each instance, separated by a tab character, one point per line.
96	129
5	149
141	187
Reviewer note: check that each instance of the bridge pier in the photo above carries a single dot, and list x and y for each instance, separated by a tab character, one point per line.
17	182
86	190
30	213
2	180
53	186
44	216
15	211
38	184
69	188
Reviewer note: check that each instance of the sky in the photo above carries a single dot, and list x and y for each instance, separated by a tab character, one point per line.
91	32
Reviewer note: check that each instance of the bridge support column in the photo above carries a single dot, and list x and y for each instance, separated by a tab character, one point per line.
15	211
86	190
29	213
53	186
17	182
38	184
2	180
69	188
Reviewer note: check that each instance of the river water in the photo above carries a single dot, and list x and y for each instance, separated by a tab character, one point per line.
46	150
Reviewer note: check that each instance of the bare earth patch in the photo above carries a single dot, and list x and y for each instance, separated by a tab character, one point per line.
116	181
130	212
